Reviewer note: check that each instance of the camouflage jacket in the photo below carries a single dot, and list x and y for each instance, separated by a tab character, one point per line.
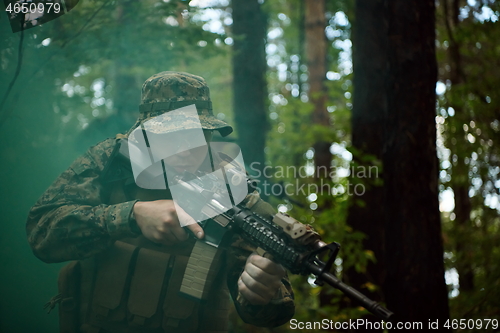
73	220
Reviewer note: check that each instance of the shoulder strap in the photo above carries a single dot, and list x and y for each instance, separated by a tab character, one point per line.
116	169
118	166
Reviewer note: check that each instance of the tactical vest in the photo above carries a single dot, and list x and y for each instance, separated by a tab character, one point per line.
134	285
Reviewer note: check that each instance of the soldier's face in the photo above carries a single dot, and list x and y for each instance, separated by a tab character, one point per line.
186	158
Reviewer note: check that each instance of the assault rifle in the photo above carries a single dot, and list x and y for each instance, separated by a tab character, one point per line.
290	243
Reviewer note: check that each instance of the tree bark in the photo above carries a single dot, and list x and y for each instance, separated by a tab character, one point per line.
315	23
315	42
249	83
415	285
394	119
126	93
368	120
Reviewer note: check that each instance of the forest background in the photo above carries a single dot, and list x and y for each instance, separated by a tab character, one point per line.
407	89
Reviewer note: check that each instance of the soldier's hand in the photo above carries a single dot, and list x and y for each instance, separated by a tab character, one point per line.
159	222
260	279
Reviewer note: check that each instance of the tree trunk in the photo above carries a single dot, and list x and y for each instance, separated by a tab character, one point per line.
249	83
315	41
126	93
316	58
315	54
368	118
415	285
394	120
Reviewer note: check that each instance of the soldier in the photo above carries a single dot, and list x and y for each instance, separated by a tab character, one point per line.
129	252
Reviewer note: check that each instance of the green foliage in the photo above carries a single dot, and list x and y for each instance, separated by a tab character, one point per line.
290	144
468	142
88	56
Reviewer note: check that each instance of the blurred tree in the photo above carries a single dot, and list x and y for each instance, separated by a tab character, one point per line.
367	213
413	277
249	69
316	55
125	93
293	134
414	284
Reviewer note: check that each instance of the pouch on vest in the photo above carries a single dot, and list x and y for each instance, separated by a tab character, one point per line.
150	273
112	278
180	314
69	291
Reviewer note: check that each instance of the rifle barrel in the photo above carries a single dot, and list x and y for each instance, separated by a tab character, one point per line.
352	293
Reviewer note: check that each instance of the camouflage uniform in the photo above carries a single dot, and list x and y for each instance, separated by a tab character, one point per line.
121	281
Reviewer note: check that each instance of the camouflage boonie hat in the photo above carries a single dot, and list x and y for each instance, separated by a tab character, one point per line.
168	91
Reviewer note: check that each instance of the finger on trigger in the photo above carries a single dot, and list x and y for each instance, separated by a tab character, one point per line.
197	230
179	233
186	220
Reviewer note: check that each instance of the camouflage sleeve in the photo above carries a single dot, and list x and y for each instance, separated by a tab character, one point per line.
70	220
282	307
